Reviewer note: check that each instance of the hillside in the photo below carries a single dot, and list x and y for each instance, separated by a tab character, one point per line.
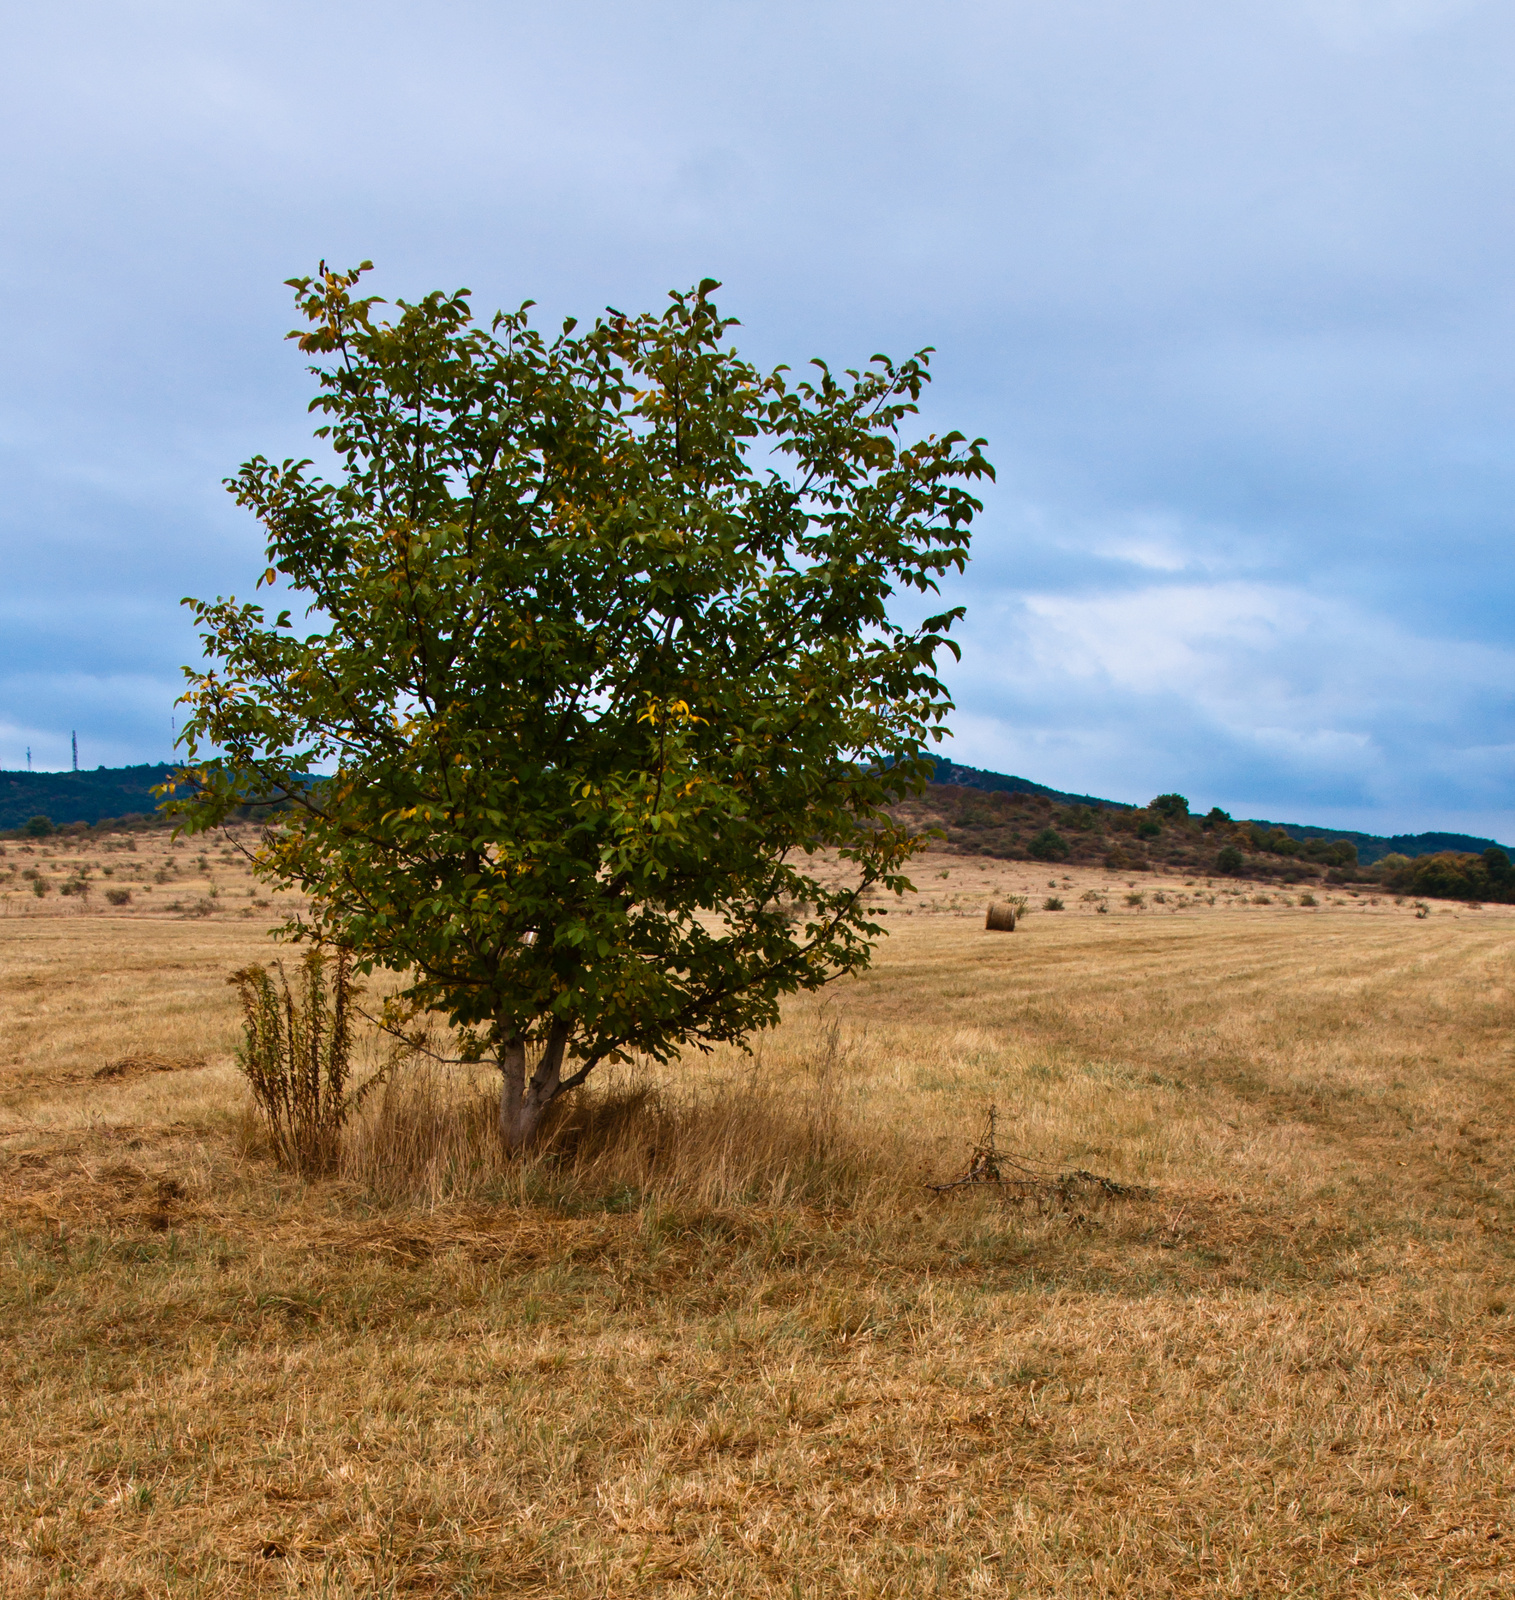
79	796
1016	825
1370	847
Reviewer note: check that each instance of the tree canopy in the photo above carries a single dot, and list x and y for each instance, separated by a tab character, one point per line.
602	659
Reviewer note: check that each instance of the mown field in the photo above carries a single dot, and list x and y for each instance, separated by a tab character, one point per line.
721	1340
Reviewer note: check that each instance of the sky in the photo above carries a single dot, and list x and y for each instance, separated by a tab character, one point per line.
1227	287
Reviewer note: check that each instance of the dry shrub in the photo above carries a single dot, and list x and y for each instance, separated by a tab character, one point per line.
765	1135
296	1054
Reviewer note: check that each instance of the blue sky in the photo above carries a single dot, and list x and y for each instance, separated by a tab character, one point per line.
1228	287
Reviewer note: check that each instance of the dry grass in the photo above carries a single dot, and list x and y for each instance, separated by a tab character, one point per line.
766	1130
718	1341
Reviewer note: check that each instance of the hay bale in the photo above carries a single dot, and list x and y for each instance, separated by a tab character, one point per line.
1001	918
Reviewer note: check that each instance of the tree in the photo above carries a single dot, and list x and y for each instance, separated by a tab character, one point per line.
1171	806
1450	875
603	660
1230	859
1049	845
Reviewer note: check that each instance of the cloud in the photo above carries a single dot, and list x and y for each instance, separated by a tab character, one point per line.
1225	285
1358	23
1256	695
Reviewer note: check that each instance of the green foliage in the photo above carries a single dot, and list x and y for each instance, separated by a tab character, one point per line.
1333	852
296	1053
603	658
1148	828
38	827
1451	875
1230	859
1049	845
1215	817
1052	903
1171	806
1274	841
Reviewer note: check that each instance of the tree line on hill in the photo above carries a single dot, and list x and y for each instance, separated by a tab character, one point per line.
87	797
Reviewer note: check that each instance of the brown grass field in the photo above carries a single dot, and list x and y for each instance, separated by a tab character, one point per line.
719	1339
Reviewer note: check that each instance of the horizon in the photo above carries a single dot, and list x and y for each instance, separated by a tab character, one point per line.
1195	808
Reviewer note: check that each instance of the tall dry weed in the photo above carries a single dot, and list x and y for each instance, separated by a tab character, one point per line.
296	1054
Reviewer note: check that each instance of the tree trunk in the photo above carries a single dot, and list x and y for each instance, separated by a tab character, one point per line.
521	1113
511	1056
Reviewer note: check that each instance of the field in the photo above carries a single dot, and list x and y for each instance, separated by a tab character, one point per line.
771	1363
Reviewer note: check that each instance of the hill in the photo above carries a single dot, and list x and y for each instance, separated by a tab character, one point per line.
64	797
1370	847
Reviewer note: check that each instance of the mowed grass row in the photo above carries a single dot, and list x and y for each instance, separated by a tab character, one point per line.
720	1340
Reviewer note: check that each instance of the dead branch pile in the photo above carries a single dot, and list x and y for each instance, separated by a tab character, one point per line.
1023	1178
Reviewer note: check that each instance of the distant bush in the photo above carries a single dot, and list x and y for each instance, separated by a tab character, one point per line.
38	827
1274	841
1171	806
1450	875
1049	845
1148	828
1230	859
1214	817
119	897
1052	903
1336	852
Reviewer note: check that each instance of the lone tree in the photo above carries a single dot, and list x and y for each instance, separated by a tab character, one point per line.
603	660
